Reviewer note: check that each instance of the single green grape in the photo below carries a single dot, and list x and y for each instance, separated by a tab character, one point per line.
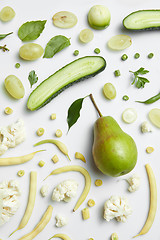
17	65
125	98
109	91
76	53
150	55
117	73
97	50
14	87
136	55
119	42
30	51
124	57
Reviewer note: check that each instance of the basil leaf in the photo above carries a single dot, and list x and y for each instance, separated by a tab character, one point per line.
31	30
55	45
2	36
74	112
32	77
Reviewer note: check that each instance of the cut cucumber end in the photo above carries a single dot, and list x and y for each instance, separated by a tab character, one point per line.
142	20
76	71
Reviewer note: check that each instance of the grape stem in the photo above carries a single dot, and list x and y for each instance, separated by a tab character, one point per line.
4	49
95	105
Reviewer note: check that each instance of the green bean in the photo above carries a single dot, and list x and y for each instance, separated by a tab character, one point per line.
151	100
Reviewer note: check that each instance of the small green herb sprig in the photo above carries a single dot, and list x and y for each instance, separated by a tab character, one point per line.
140	81
4	48
32	77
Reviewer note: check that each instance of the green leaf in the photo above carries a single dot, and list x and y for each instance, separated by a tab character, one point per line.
140	81
31	30
74	112
2	36
141	71
143	79
32	77
55	45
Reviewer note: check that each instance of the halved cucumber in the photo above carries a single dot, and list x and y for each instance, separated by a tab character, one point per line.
143	20
73	72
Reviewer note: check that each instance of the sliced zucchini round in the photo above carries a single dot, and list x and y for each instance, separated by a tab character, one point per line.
142	20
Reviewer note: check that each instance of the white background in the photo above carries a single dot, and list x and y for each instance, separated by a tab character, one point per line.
80	137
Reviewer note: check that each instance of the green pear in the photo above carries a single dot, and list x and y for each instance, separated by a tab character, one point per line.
114	151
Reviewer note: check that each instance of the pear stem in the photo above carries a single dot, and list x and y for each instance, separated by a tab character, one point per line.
95	105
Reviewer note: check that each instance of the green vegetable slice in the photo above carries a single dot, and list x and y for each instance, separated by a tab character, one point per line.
55	45
143	20
31	30
76	71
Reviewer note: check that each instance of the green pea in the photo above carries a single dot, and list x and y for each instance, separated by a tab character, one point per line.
124	57
76	52
137	55
150	55
17	65
125	98
117	73
97	50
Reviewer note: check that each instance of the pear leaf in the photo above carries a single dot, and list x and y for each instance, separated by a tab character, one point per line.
74	112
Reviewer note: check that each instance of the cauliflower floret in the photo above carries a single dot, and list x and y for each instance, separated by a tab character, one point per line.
61	220
9	200
11	135
134	182
117	207
44	190
65	191
146	127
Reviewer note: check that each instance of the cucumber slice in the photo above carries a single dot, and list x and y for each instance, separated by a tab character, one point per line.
75	71
143	20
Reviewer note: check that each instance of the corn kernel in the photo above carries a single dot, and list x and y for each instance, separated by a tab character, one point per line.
90	239
98	182
55	159
21	173
149	149
91	203
40	131
53	116
85	213
58	133
8	110
41	163
114	236
80	156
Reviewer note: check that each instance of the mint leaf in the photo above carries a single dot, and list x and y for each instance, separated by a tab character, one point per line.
55	45
31	30
32	77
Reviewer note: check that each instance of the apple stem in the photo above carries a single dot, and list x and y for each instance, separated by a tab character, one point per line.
95	105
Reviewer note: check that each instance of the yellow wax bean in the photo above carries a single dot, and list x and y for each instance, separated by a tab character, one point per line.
62	147
40	226
153	201
84	172
62	236
17	160
31	201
